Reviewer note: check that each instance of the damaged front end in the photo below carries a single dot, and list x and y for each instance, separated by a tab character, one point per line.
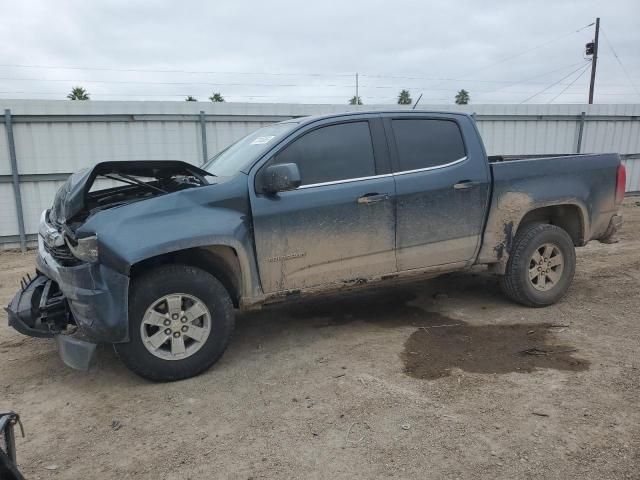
132	181
40	309
78	296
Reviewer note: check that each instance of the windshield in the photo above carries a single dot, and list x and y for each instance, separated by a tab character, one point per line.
239	155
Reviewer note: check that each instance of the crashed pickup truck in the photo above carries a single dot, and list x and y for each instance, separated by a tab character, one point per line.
154	257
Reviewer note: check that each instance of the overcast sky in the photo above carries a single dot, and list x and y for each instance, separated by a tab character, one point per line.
501	51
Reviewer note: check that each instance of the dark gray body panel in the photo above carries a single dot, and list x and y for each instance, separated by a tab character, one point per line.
317	236
586	182
198	217
437	224
321	238
211	215
320	235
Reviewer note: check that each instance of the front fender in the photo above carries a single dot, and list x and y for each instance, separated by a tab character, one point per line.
175	222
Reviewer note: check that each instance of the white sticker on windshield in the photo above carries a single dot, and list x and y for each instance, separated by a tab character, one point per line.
262	140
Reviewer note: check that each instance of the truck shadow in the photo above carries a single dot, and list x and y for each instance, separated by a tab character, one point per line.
439	344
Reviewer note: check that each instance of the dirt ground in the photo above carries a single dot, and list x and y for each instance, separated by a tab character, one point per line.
422	380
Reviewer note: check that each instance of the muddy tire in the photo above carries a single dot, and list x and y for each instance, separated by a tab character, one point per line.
541	265
180	322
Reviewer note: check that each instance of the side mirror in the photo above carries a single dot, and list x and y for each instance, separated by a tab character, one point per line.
281	177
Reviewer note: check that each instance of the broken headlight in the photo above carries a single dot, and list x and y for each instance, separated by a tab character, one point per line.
85	249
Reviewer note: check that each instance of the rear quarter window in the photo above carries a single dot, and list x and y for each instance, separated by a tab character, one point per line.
424	143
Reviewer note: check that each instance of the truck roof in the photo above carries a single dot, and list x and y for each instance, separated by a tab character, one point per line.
314	118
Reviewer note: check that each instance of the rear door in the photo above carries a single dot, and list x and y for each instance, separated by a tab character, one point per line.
442	188
339	225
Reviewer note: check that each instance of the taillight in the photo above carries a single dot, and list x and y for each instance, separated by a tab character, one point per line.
621	183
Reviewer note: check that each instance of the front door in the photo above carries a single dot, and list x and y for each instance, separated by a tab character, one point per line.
339	225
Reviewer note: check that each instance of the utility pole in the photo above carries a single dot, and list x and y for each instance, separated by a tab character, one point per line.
357	98
594	61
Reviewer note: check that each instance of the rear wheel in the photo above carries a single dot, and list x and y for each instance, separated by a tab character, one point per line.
180	323
541	265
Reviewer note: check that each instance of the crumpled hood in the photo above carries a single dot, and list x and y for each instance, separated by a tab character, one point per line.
70	199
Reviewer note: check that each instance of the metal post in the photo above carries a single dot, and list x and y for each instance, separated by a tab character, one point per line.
580	130
203	131
16	180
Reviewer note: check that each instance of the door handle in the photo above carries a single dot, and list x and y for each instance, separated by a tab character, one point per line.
465	185
373	198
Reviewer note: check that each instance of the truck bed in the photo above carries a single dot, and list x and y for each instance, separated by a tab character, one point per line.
585	183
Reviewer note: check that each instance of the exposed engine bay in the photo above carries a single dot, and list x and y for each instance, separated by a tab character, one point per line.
77	199
108	185
135	188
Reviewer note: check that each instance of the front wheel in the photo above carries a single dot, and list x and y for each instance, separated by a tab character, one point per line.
180	323
541	265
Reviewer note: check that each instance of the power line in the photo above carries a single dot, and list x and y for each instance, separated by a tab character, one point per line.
138	82
182	95
536	47
528	80
144	70
519	54
552	85
215	83
204	94
620	63
223	84
204	72
586	67
126	69
391	100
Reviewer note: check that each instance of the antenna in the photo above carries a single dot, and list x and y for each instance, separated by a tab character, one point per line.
416	104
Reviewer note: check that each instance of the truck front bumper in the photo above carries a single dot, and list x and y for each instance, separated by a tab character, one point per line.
40	310
97	296
89	295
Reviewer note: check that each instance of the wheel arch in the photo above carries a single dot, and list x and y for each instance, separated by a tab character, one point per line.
567	216
221	261
504	224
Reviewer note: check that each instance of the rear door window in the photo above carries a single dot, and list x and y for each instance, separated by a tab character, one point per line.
331	153
424	143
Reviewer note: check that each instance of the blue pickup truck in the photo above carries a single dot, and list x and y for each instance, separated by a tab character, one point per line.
155	256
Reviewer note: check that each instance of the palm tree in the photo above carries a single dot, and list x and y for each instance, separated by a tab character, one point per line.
216	97
190	99
462	97
78	93
404	98
355	101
